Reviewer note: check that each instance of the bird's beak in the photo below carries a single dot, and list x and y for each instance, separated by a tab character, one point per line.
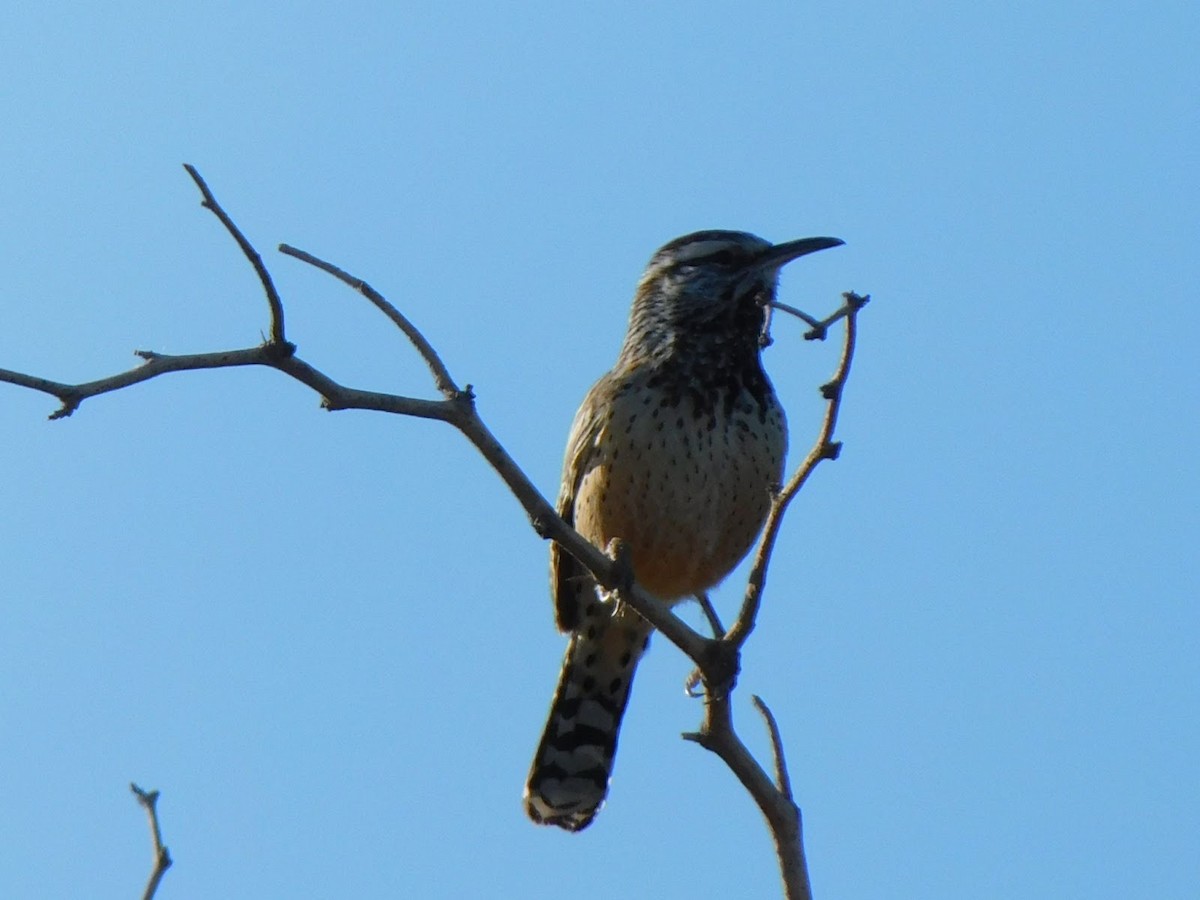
775	258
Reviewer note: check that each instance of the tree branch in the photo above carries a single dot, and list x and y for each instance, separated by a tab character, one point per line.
717	659
210	203
710	613
717	733
782	780
441	375
458	409
824	448
148	800
783	816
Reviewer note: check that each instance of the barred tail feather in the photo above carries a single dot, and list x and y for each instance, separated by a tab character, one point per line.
571	769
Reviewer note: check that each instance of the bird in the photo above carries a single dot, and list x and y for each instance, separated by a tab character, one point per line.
676	451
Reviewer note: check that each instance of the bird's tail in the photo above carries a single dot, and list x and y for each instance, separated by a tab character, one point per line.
570	772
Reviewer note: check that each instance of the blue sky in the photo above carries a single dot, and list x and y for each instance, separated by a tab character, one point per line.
327	639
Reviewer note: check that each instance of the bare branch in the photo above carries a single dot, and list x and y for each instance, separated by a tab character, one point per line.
458	409
824	448
691	687
798	313
710	613
783	816
441	376
72	395
819	328
148	800
717	659
335	396
852	305
782	780
264	277
717	734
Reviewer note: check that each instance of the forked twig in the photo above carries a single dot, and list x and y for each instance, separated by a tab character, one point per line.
148	800
823	448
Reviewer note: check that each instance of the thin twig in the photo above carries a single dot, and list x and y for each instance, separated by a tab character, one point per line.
782	780
851	306
162	857
441	375
819	328
824	448
718	736
210	203
692	687
334	396
798	313
710	613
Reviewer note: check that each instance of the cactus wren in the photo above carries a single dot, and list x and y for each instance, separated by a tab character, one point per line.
675	451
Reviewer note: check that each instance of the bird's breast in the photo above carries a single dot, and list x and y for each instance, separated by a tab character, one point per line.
684	481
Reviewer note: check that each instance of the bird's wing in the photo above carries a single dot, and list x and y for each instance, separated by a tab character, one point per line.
570	583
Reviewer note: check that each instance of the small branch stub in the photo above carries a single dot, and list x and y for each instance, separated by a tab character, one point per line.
148	800
782	780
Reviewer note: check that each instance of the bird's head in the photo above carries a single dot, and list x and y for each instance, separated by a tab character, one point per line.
711	285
